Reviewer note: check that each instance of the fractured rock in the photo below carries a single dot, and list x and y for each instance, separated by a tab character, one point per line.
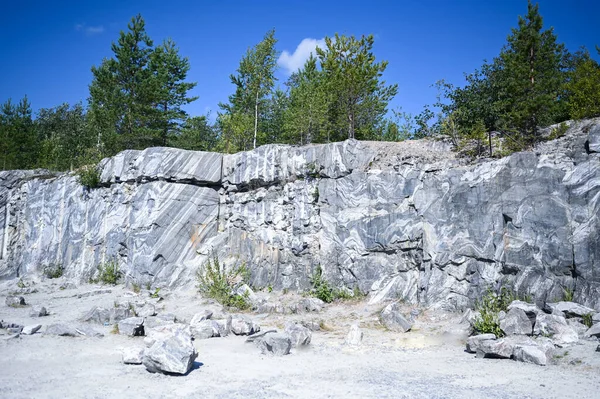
145	310
503	347
593	331
205	329
243	325
307	305
516	322
223	326
97	315
299	334
530	354
159	332
393	320
132	326
31	329
273	343
88	332
15	301
38	312
173	354
133	355
474	341
571	309
61	330
355	336
555	327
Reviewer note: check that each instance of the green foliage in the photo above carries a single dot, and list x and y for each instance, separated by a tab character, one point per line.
18	139
583	87
156	293
54	270
254	83
136	288
558	131
587	320
21	284
357	96
115	329
89	176
217	283
324	291
108	273
488	307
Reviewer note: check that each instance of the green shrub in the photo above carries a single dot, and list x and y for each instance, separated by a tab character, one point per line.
324	291
558	131
89	177
108	273
155	294
54	270
488	307
217	283
568	294
587	320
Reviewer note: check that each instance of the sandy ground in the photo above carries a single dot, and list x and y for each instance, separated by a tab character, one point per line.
428	362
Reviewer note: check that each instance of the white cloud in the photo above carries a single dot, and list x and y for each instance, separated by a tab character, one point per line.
89	30
292	62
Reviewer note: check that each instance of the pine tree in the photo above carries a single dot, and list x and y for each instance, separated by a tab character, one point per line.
531	78
170	71
583	87
357	96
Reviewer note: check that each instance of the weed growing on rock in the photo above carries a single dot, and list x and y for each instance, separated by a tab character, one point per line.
324	291
115	329
21	284
217	283
568	294
586	319
136	288
155	294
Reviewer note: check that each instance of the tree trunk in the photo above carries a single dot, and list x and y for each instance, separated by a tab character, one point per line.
255	120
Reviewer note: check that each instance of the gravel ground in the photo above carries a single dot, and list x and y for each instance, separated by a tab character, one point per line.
428	362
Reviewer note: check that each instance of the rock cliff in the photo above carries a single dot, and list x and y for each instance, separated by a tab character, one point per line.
398	220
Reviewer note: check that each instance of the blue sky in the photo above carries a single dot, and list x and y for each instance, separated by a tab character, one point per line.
48	48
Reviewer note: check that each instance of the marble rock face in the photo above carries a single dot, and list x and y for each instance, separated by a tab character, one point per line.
403	220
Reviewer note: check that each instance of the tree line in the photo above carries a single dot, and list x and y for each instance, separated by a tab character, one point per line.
137	99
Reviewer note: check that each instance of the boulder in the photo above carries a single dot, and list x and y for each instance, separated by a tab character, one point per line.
258	336
530	354
516	322
502	348
160	332
274	343
578	326
204	329
355	336
593	331
14	330
38	312
132	326
61	330
474	341
243	325
31	329
299	334
311	325
173	354
88	332
15	301
223	326
201	316
133	355
121	312
145	310
530	309
393	320
97	315
556	328
307	305
571	309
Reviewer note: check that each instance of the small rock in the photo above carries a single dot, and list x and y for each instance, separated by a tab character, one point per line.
38	312
204	315
174	354
15	301
311	325
259	336
14	330
61	330
133	326
168	317
243	325
277	344
393	320
32	329
516	322
224	326
355	336
133	355
299	334
86	331
474	342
